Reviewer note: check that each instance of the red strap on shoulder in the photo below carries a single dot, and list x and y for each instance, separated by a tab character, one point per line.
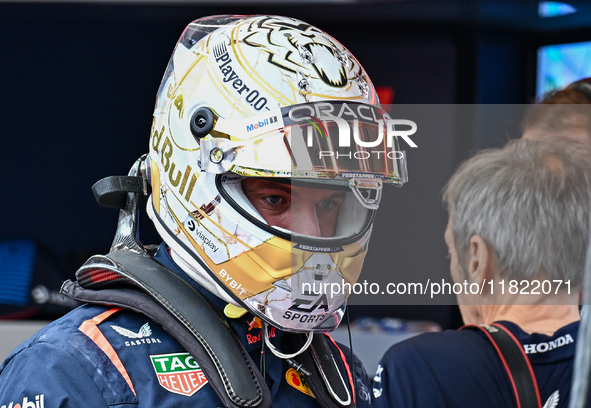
516	363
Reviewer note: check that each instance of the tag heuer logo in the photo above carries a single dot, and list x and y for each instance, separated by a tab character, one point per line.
178	373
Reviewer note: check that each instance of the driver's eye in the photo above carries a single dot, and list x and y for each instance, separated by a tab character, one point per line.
327	204
273	199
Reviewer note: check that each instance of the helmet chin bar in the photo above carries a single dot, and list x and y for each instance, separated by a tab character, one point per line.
330	323
125	192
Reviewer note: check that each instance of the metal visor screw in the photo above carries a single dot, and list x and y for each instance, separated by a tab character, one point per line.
216	155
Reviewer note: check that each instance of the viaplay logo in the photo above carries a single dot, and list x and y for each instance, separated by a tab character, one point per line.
39	402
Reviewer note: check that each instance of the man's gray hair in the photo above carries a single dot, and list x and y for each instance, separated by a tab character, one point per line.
529	201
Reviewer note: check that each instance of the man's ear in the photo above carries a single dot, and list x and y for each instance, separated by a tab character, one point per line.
480	261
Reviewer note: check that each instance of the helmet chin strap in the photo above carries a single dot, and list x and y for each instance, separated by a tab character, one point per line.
280	354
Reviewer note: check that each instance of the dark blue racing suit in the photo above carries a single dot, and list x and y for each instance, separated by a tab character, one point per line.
461	369
101	356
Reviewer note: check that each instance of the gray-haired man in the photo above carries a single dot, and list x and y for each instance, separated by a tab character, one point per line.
518	228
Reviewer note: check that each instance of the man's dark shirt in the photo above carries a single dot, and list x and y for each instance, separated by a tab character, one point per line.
462	369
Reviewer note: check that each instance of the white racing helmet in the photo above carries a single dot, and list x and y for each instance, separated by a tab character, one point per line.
278	100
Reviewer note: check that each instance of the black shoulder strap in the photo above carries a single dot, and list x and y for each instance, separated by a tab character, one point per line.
138	282
515	362
182	311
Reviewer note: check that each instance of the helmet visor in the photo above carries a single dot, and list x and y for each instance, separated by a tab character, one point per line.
313	212
321	140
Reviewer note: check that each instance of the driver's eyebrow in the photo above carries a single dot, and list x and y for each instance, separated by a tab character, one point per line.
337	194
270	185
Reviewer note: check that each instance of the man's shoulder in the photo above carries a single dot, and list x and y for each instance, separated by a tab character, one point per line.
58	332
466	359
543	348
435	345
437	356
434	359
65	360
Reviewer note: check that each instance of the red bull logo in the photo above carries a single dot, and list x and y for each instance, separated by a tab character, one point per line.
257	323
